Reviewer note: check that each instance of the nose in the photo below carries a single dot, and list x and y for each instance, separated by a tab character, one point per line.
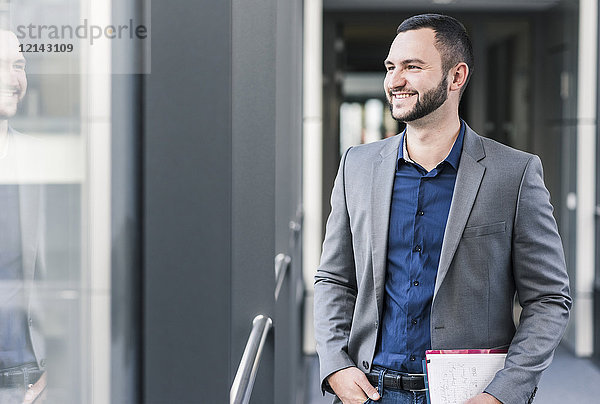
8	75
397	79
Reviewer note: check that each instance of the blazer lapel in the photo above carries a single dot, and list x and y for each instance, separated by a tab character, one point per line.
383	174
468	179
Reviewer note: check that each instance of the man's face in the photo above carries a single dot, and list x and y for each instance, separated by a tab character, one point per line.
13	82
415	83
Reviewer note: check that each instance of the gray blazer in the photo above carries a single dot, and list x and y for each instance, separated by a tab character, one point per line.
27	151
500	238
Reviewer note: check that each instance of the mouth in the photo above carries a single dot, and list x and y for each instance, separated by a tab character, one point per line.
402	95
8	92
9	95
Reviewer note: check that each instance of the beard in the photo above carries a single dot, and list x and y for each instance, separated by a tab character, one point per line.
8	110
432	100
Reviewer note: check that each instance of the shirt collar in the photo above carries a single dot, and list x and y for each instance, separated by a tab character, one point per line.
453	158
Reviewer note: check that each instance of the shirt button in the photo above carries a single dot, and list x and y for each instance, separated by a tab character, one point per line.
412	358
414	322
420	213
417	248
376	324
366	365
416	283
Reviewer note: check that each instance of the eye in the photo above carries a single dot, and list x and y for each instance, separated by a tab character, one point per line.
19	67
413	67
389	68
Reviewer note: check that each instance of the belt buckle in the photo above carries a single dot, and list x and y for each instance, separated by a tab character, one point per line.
416	375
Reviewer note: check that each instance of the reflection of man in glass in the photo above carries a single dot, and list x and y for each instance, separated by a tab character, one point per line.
22	378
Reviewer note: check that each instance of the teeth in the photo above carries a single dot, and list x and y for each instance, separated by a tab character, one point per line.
4	93
403	95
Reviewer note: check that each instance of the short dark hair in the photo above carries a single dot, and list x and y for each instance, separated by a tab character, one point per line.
452	40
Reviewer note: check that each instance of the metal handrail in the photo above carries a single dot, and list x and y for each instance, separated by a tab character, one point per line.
282	263
241	389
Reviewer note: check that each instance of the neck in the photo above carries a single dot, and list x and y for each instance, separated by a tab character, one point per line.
430	139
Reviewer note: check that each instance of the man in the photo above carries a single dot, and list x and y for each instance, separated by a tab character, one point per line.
22	376
431	234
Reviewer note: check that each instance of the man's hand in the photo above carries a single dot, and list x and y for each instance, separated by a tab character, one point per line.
483	398
352	387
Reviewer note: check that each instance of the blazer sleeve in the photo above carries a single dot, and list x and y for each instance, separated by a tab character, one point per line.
543	290
335	285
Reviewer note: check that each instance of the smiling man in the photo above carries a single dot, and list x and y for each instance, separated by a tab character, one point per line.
22	376
430	236
13	81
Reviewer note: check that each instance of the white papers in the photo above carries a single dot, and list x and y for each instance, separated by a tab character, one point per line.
456	377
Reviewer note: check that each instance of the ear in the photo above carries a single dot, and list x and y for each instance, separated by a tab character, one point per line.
459	74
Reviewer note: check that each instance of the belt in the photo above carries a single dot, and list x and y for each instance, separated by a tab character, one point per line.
399	381
20	376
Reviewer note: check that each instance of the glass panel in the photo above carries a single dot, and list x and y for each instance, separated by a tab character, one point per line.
54	203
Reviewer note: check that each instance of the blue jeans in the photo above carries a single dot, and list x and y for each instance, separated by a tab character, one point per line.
393	396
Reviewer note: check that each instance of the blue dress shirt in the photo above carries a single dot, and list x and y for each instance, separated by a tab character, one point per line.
419	211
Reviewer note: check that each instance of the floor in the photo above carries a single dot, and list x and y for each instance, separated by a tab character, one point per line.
567	380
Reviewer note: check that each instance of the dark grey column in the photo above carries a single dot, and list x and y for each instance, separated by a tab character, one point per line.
221	161
253	183
289	376
187	204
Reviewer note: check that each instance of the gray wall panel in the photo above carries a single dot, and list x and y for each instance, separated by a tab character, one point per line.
288	382
253	197
187	196
214	124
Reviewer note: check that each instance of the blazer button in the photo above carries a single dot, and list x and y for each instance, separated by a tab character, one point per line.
366	365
